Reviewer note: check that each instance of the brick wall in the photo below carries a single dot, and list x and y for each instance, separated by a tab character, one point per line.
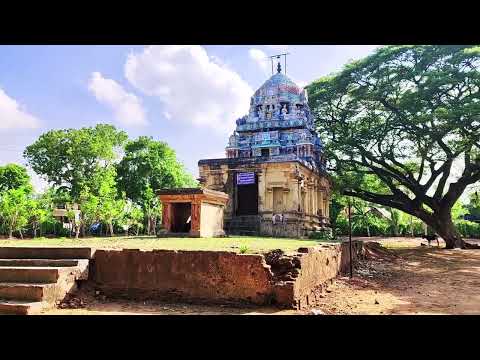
293	281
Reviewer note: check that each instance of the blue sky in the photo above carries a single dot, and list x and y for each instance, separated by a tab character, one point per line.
188	96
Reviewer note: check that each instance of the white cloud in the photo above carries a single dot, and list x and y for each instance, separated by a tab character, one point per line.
192	86
127	107
260	59
13	116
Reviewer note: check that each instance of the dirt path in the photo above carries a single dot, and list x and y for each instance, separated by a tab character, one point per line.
420	281
120	307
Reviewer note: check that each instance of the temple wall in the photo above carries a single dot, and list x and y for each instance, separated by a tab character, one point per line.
277	181
212	220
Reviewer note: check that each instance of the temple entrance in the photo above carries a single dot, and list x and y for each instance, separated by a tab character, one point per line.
247	196
181	217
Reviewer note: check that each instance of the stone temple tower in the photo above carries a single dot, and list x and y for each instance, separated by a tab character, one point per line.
274	170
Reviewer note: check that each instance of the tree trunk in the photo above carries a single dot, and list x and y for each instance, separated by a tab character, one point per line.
368	230
34	232
110	225
445	228
10	233
21	234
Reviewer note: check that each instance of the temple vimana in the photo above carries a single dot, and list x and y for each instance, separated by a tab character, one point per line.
274	170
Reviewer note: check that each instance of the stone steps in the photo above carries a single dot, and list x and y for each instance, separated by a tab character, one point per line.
18	307
38	262
31	281
25	291
243	225
26	274
45	253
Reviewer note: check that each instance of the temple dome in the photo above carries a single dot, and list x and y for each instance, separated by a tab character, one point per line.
280	88
275	81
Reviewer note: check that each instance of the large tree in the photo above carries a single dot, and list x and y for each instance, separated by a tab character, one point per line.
405	115
68	158
150	164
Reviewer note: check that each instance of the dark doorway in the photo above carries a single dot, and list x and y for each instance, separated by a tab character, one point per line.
265	152
247	198
181	217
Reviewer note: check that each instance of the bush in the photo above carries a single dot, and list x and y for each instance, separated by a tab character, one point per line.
243	249
323	235
468	229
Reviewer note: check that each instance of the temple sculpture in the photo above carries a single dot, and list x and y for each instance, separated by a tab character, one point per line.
274	170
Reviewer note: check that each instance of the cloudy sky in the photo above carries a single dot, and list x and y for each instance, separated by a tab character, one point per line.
188	96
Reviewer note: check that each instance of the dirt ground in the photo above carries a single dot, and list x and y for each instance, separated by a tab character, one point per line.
410	279
415	280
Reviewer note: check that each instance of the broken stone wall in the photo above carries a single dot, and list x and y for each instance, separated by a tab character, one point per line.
292	281
214	276
300	279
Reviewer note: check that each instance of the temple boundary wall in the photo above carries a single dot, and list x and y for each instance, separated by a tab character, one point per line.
287	281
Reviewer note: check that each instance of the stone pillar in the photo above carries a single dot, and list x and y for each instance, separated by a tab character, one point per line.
261	191
320	204
195	220
166	216
327	204
269	199
295	195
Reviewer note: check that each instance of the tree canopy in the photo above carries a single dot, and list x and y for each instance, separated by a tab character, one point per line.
149	164
13	176
67	158
404	115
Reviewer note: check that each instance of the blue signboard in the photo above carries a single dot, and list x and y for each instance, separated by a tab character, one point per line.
246	178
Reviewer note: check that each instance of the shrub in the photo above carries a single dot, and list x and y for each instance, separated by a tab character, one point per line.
323	235
243	249
468	229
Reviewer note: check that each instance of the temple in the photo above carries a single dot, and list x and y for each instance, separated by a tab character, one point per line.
274	170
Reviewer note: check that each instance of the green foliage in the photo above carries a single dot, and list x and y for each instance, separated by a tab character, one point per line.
243	249
459	211
40	212
110	207
149	165
68	158
323	235
13	176
14	209
402	116
468	229
132	216
474	204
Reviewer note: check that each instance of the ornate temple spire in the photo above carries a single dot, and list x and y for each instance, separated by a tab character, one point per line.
279	67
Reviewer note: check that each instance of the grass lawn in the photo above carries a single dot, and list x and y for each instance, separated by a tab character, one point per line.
248	244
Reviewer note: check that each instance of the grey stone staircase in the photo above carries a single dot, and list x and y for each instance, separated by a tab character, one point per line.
243	225
34	279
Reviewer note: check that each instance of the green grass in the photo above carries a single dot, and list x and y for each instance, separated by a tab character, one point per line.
237	244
